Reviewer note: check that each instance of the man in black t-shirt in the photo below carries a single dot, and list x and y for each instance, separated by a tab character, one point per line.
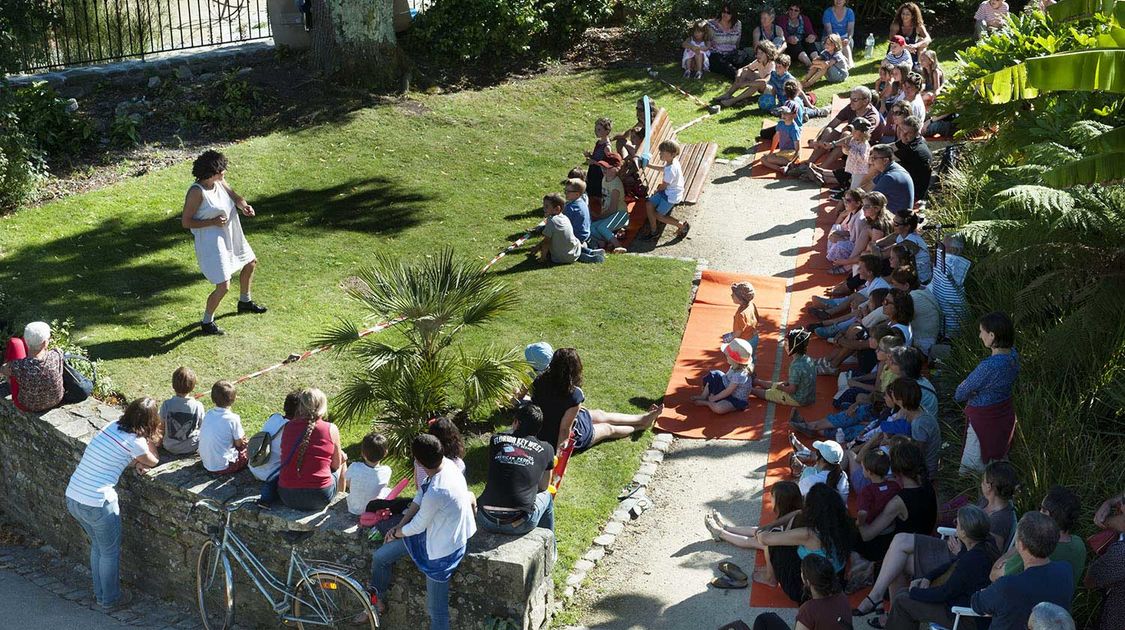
515	498
914	155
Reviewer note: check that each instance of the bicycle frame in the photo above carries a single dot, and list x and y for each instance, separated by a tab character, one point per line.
230	545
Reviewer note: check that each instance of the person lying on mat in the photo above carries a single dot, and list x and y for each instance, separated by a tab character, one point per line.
800	389
787	504
558	393
730	391
827	603
823	529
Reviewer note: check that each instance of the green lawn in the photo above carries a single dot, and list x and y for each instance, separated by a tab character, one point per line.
467	169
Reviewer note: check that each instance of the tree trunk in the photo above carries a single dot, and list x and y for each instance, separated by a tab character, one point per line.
355	41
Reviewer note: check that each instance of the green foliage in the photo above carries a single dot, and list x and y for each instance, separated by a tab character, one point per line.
20	168
431	302
494	32
22	24
228	106
125	130
665	22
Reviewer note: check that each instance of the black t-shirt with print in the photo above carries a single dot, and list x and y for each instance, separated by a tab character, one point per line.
515	467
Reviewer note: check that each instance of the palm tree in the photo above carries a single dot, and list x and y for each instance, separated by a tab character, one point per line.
429	302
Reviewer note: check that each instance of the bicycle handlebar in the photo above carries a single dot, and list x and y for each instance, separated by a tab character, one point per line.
233	506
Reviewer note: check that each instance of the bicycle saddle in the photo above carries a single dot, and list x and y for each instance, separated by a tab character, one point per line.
295	537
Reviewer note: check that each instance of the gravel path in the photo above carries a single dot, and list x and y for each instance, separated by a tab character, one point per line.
658	573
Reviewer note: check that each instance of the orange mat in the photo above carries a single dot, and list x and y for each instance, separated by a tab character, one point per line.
712	314
812	278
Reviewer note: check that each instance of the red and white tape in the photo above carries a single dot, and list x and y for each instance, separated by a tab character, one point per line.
695	99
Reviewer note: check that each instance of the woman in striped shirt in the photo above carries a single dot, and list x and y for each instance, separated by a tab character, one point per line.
92	499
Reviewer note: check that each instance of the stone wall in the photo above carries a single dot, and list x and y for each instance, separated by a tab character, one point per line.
501	577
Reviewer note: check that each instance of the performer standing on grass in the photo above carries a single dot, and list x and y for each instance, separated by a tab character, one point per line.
220	246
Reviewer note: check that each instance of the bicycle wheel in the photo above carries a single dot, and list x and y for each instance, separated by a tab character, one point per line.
327	599
214	588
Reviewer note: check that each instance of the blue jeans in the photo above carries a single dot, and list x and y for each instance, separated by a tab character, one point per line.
831	330
103	526
542	516
437	593
603	229
588	255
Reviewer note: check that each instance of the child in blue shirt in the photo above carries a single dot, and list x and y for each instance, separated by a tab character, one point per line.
788	132
780	75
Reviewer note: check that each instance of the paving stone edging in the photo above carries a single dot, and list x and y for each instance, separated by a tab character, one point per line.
630	509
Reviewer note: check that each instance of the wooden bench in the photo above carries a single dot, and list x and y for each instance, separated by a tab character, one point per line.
695	159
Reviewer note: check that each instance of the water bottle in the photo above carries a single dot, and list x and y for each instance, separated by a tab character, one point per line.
870	50
840	437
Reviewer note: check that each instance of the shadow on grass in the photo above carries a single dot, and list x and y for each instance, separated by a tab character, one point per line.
118	271
157	344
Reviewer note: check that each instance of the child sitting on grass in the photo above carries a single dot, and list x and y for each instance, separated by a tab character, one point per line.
897	53
669	192
182	414
828	64
725	393
370	479
788	134
856	141
697	50
774	95
800	389
559	245
222	442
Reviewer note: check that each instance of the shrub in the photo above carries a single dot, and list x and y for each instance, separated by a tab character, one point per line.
20	169
494	32
665	22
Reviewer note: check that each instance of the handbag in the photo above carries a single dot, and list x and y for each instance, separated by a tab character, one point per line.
268	492
76	387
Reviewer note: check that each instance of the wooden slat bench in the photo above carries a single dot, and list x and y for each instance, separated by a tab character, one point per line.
695	159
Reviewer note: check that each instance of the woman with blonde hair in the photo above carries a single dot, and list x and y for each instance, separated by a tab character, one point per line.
312	461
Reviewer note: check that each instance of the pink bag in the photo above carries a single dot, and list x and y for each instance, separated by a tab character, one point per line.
371	519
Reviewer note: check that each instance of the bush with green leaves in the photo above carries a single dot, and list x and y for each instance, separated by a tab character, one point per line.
418	369
494	32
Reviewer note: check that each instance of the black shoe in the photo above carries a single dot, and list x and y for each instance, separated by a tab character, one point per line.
251	307
211	328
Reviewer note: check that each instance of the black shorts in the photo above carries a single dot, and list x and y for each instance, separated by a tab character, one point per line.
842	176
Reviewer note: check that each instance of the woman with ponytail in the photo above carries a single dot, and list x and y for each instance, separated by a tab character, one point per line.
312	462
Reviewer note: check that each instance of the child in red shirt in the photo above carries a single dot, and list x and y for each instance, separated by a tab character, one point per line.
875	496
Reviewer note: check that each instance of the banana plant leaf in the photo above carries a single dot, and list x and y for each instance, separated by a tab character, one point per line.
1112	140
1077	9
1104	167
1080	71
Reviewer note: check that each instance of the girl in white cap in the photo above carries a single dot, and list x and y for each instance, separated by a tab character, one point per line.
728	392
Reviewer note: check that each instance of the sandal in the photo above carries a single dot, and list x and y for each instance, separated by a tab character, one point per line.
727	583
856	612
733	571
683	231
875	623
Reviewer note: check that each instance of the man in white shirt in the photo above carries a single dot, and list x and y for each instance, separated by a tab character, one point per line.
434	531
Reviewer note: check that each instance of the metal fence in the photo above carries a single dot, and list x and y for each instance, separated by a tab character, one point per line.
78	32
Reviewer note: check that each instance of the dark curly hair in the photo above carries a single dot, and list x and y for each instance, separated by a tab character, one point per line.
209	164
820	576
904	306
827	516
908	461
1064	506
564	373
452	446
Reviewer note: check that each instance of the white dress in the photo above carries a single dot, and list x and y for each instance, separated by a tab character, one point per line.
220	250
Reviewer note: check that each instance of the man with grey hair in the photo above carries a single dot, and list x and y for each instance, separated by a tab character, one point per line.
858	107
914	154
1048	616
890	178
948	284
34	373
1010	599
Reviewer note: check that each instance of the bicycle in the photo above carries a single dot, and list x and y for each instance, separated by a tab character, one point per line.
315	593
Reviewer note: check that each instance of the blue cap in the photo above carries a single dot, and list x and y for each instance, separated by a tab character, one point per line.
539	355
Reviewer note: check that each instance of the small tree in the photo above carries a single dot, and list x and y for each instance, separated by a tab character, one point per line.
431	300
355	40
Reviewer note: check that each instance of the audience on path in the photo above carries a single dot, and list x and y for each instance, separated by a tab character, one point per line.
516	497
1010	599
434	531
890	178
34	370
914	155
313	465
788	501
91	495
1062	505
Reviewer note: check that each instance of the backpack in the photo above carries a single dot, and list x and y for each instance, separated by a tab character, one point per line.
260	446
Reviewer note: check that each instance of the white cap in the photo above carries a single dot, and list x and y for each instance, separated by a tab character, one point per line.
831	451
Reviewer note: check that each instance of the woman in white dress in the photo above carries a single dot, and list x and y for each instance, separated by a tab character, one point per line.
220	246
